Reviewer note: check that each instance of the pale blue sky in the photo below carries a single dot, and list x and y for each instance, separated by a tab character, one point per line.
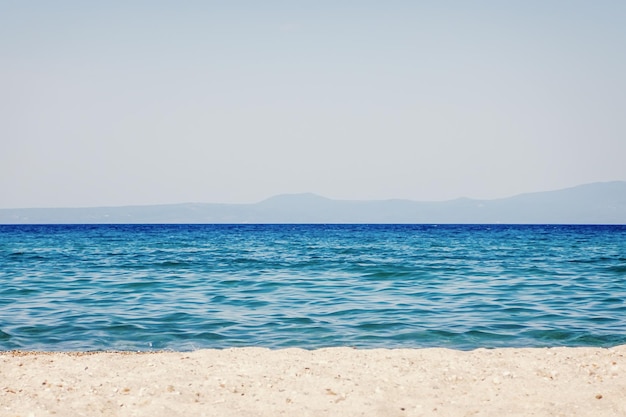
142	102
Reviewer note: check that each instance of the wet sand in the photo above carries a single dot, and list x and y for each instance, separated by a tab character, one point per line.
325	382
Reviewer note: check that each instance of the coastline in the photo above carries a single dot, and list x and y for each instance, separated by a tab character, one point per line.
331	381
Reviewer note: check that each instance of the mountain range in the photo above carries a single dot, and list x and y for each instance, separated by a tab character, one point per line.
596	203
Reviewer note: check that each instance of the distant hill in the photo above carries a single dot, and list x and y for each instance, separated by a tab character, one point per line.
597	203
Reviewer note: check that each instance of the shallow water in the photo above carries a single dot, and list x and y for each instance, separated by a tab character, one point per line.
182	287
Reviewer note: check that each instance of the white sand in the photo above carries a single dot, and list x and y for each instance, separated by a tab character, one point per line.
338	382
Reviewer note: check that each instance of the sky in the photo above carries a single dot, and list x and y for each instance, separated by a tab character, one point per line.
151	102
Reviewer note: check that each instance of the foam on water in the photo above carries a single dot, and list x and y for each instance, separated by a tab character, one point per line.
181	287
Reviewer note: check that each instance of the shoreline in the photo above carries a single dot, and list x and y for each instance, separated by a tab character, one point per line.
572	381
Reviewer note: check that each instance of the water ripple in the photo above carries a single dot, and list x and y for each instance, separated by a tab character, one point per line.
184	287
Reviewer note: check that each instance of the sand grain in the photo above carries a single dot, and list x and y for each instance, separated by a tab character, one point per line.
336	381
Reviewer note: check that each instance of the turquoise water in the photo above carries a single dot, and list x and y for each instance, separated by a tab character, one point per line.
184	287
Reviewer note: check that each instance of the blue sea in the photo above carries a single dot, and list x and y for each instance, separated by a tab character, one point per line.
186	287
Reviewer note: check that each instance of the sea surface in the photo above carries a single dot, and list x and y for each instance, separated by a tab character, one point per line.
186	287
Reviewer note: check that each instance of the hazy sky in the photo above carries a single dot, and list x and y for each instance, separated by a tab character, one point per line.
143	102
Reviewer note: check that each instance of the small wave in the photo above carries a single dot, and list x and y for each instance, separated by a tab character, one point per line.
617	269
171	264
208	336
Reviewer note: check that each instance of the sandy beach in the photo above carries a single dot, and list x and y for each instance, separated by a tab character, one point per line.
335	381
